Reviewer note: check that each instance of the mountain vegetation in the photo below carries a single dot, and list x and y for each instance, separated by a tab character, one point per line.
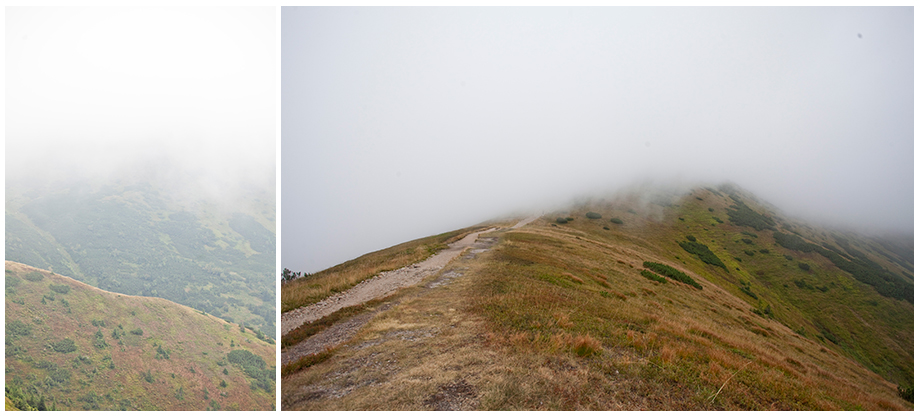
576	316
88	349
140	240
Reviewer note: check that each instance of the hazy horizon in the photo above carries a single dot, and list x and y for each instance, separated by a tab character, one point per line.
399	123
182	97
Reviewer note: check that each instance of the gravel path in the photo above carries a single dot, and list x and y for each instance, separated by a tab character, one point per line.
335	335
379	286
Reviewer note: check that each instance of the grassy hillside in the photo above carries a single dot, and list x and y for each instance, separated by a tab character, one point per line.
603	313
137	239
70	346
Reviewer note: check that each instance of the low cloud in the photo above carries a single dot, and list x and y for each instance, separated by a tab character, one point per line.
402	123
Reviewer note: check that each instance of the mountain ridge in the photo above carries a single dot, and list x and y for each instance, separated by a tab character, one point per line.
72	346
135	238
771	327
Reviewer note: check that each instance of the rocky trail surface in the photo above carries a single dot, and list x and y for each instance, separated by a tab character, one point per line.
380	286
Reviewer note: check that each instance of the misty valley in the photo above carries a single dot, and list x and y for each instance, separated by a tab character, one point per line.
136	240
116	342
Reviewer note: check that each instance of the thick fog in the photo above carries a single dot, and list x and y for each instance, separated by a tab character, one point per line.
399	123
182	97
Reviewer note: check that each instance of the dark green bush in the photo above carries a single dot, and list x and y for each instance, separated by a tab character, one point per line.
765	251
561	220
748	241
570	219
99	340
162	353
672	273
746	288
616	220
60	289
742	215
788	257
17	328
906	393
606	228
64	346
34	276
60	375
652	276
138	332
749	252
804	266
864	270
711	210
763	310
691	238
802	284
12	281
703	252
593	215
254	367
749	234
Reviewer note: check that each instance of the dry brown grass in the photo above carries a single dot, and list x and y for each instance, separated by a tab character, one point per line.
518	332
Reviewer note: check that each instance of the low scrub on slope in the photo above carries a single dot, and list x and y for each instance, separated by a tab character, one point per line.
87	349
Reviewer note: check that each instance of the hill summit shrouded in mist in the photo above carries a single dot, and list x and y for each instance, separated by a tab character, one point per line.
695	299
70	346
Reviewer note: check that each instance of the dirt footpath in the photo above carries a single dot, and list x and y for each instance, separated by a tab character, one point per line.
379	286
383	284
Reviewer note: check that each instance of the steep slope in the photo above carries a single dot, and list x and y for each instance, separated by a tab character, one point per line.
140	239
573	312
71	346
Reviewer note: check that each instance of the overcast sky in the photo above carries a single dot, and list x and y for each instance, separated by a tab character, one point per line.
399	123
183	95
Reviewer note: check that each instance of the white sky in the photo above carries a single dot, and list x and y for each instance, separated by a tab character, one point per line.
399	123
186	94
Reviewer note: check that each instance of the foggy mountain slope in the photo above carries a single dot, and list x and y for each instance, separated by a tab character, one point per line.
74	347
574	311
143	239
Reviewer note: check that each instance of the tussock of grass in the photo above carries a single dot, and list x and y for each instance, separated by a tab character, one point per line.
306	330
306	362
